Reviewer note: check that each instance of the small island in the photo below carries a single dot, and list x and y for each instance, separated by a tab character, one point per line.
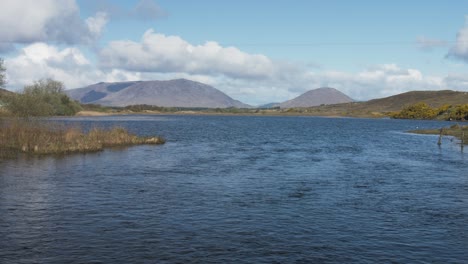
41	138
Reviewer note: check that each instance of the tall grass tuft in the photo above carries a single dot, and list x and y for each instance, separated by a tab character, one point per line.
30	136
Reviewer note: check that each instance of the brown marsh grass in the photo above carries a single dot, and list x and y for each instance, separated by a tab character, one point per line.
35	137
456	130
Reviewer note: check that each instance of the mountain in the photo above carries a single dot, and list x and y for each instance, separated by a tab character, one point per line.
320	96
172	93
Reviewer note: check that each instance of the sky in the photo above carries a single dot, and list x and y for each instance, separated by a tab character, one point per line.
256	51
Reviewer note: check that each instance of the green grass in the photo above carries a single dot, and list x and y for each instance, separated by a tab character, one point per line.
34	137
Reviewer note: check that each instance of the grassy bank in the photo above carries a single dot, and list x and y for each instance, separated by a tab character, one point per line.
34	137
460	132
342	110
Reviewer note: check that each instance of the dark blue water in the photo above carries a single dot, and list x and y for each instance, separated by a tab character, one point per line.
242	190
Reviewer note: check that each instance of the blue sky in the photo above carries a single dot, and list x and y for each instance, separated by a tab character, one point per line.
255	51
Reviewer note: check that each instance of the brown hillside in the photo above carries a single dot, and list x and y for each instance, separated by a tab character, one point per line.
4	92
393	103
432	98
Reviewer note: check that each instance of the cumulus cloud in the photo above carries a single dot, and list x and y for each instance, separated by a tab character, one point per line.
71	66
380	81
428	44
460	49
68	65
256	78
39	60
457	82
47	20
96	24
161	53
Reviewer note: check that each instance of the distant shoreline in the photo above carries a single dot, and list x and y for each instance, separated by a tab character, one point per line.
208	113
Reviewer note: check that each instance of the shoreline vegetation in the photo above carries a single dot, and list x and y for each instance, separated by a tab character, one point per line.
457	131
323	110
44	138
449	110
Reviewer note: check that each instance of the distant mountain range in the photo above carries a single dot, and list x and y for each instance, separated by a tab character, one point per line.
320	96
186	93
172	93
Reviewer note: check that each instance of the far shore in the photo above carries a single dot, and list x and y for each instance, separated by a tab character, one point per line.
87	113
93	113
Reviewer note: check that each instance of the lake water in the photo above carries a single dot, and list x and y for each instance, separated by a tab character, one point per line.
239	189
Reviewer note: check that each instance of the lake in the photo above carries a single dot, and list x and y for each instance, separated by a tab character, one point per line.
240	189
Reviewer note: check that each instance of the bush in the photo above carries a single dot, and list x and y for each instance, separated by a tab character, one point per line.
43	98
459	112
416	111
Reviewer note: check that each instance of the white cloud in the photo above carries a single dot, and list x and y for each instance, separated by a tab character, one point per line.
380	81
255	78
172	54
97	23
460	49
71	66
39	60
68	65
29	21
457	82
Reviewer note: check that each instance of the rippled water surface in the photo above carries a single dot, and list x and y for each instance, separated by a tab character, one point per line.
242	190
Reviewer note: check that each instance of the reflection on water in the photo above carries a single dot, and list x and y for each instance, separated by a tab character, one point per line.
242	189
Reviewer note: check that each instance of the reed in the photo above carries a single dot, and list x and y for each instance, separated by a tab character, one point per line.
35	137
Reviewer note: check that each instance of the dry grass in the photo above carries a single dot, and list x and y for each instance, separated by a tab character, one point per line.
460	132
18	136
